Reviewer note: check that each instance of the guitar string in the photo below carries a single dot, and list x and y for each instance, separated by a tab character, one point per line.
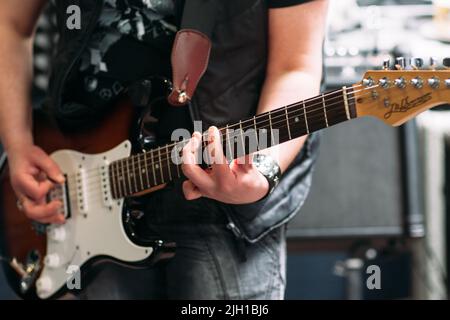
164	154
97	184
139	158
266	114
140	182
164	160
308	108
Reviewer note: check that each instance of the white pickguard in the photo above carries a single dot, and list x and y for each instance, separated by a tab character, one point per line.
95	227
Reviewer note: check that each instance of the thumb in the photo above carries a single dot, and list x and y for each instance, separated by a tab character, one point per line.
50	168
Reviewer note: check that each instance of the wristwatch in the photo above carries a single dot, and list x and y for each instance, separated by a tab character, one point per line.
269	168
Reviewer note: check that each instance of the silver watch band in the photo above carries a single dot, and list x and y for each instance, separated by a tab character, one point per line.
269	168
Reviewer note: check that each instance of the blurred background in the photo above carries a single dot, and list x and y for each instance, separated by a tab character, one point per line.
380	195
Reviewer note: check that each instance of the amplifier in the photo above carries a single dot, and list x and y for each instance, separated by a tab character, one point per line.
366	183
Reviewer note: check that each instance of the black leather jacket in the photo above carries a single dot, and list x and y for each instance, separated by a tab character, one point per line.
222	97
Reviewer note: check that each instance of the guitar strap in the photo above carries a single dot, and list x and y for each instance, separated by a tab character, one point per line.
191	48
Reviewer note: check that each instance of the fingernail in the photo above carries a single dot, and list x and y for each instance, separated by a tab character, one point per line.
61	178
211	134
195	141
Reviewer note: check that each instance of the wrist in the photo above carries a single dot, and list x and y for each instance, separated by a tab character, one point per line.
18	147
269	170
262	185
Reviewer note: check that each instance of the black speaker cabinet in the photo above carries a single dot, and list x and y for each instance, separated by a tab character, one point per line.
366	183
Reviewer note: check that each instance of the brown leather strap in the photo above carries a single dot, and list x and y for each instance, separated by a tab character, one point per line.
190	57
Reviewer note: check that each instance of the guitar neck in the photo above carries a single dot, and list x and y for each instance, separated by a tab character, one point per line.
153	168
288	123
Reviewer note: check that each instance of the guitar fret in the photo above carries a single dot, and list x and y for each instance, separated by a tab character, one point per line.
153	168
168	162
271	129
351	103
117	173
141	172
122	177
336	110
288	125
146	169
325	110
160	165
178	165
306	119
132	174
256	133
347	110
228	143
112	179
242	137
124	180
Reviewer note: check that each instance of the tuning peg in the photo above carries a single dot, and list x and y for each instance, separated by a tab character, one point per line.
434	82
417	82
368	82
400	63
416	63
387	64
384	83
433	63
446	63
400	82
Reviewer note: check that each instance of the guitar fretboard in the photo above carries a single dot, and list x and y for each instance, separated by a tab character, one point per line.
141	172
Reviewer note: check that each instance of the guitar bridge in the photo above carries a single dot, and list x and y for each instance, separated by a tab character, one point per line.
61	193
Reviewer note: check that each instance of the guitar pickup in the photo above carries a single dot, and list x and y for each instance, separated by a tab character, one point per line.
105	186
80	182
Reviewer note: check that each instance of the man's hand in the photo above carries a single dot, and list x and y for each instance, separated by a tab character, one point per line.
29	165
238	183
33	175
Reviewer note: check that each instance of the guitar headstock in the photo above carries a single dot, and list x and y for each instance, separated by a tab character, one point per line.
395	96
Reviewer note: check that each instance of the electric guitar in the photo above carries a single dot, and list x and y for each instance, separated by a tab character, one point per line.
107	171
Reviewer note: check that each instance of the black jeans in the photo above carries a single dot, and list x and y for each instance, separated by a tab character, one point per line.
210	262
